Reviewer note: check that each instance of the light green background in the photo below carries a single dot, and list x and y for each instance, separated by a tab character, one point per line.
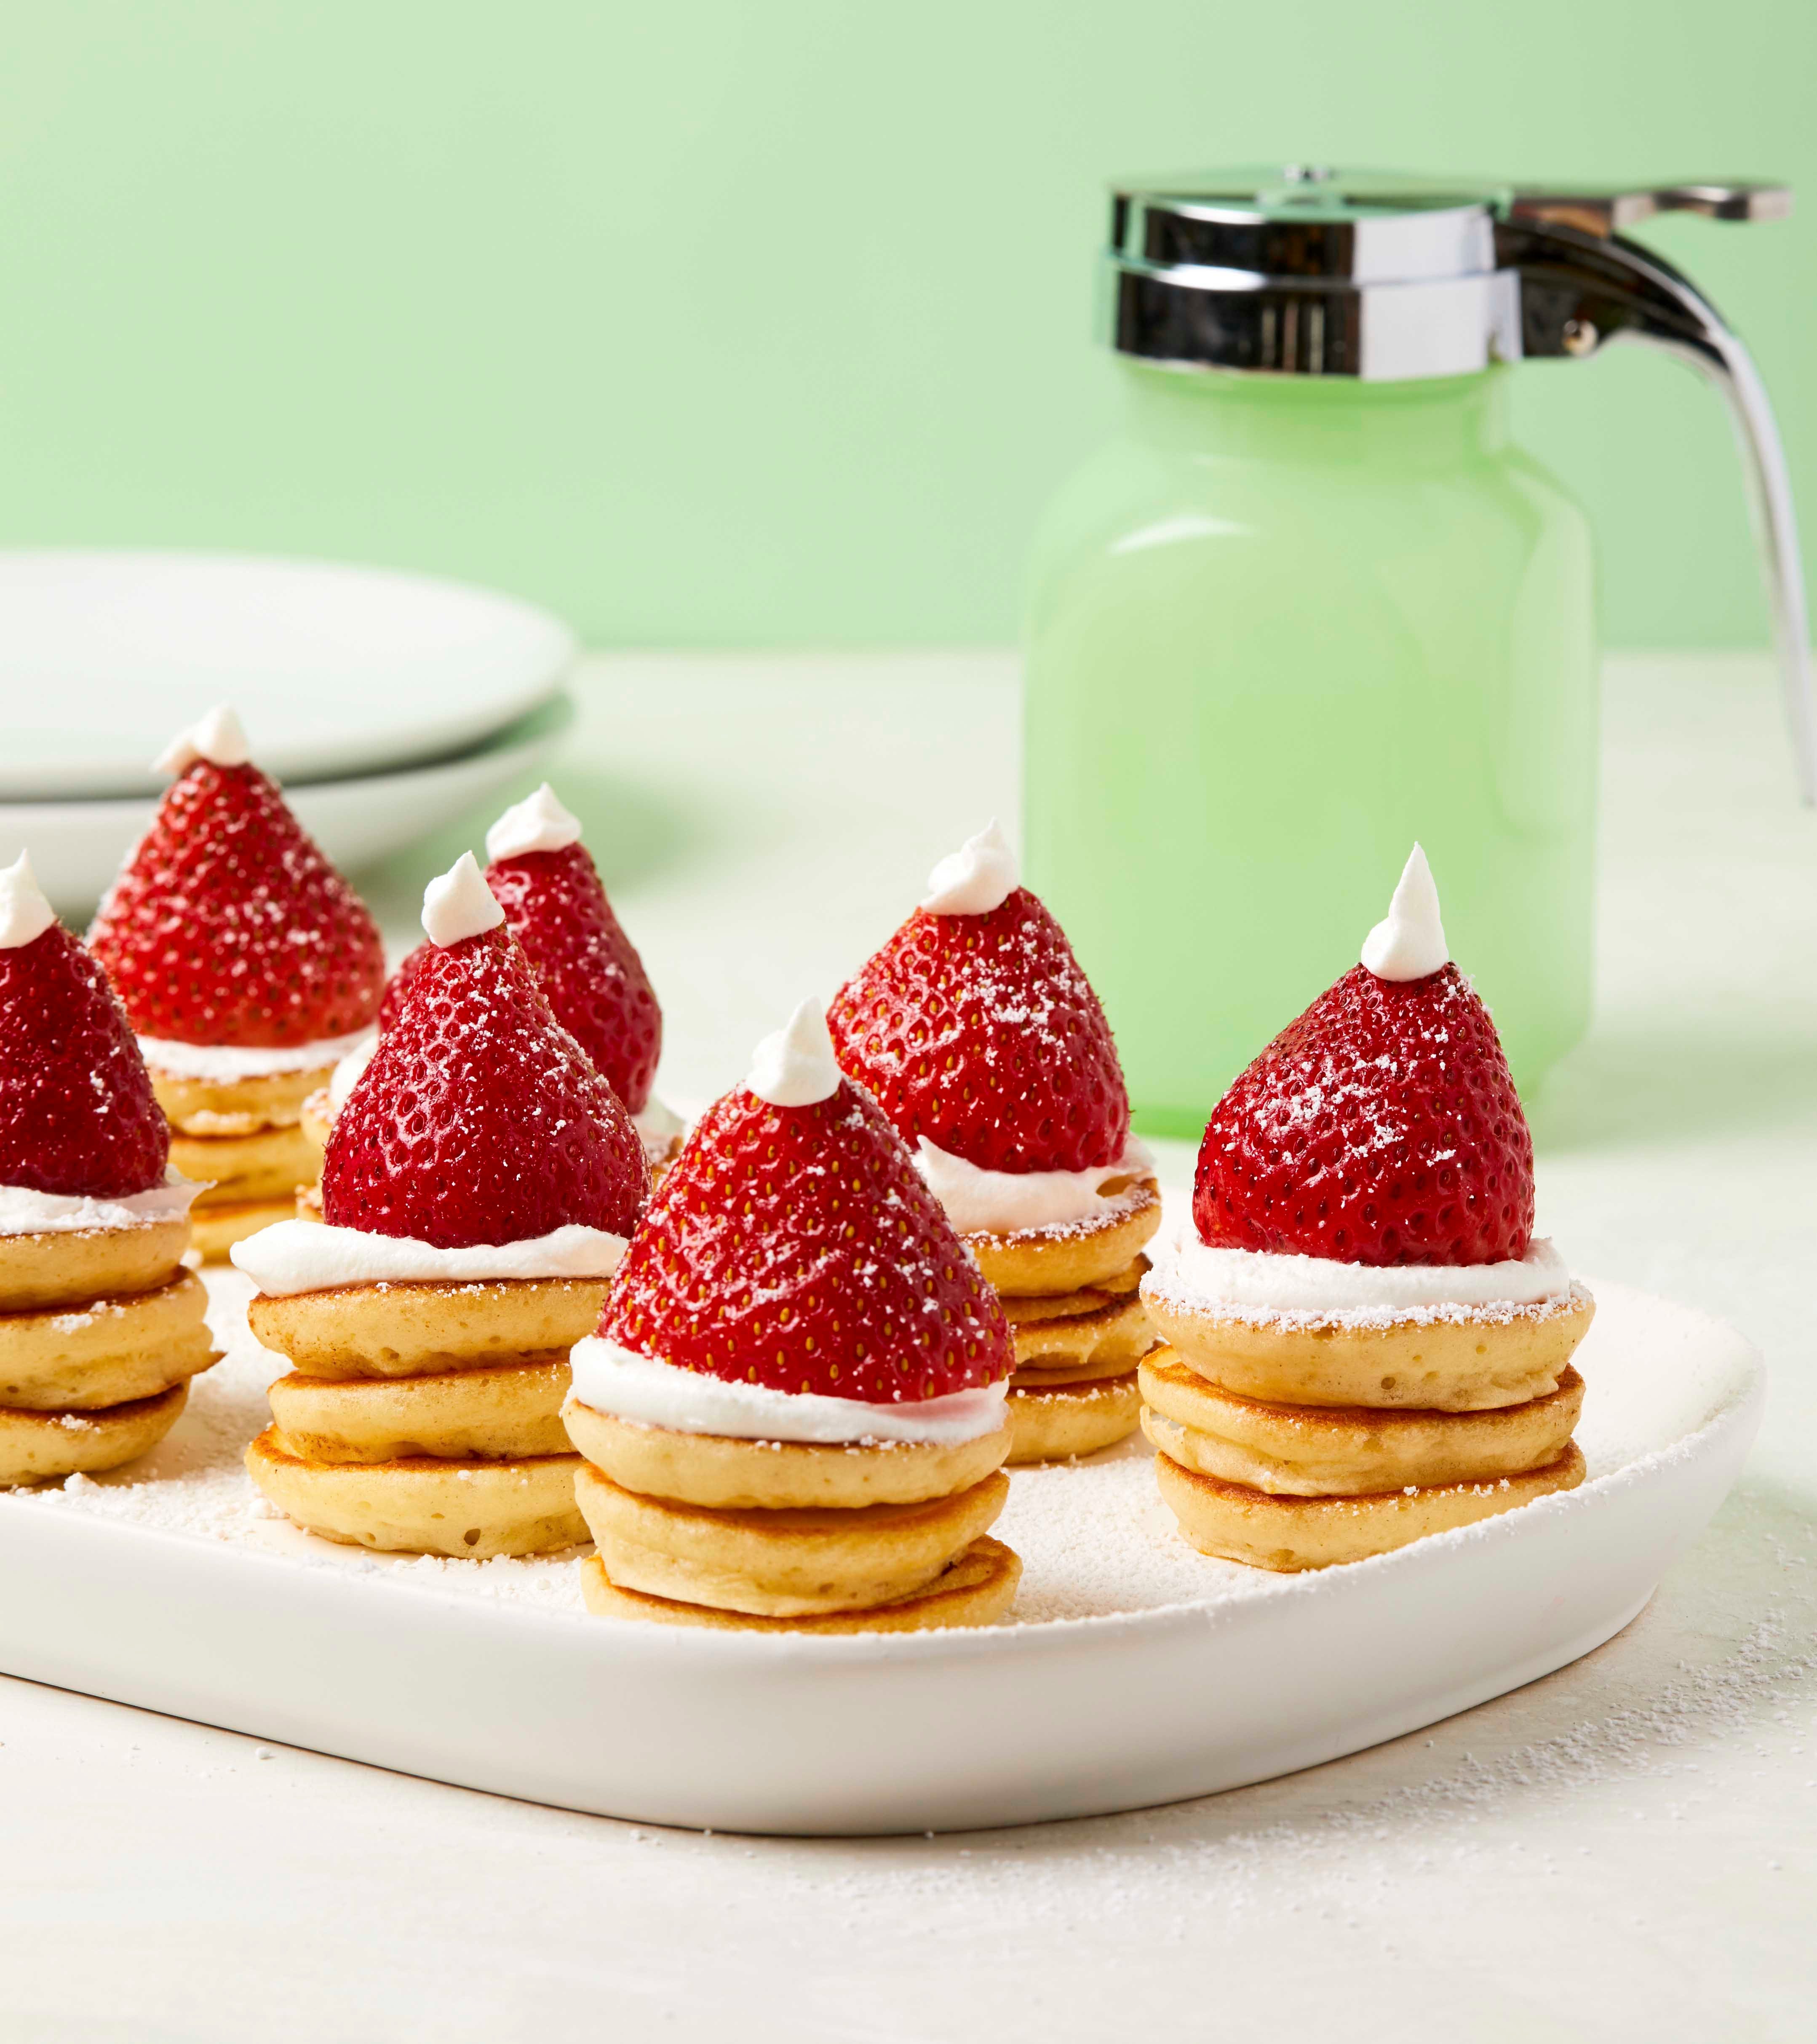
718	323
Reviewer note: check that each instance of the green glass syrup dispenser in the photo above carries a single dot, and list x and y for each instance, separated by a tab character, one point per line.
1312	603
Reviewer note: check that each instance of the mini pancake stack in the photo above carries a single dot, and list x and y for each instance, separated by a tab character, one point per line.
793	1416
1366	1344
1070	1293
249	967
479	1186
101	1326
985	1044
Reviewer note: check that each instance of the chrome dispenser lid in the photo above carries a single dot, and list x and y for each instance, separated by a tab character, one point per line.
1300	271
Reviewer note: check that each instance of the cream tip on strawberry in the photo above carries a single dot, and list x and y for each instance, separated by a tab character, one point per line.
539	823
459	904
218	737
980	876
24	914
1409	941
794	1066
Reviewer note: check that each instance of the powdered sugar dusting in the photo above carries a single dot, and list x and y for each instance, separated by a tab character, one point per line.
1096	1541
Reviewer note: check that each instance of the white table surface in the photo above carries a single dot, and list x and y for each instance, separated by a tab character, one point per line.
1626	1850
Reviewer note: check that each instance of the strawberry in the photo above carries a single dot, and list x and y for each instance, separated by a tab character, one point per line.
479	1119
227	926
397	987
1381	1127
797	1247
589	969
981	1033
77	1112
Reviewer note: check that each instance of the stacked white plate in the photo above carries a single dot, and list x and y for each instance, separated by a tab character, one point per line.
387	704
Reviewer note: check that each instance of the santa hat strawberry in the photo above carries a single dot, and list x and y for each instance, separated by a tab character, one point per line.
550	889
975	1028
793	1244
1381	1127
77	1113
227	926
479	1120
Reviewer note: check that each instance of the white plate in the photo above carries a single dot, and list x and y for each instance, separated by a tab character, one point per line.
76	847
335	670
174	1595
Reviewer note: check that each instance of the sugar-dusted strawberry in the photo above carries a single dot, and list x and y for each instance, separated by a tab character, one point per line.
1380	1127
794	1244
479	1120
227	926
397	987
77	1112
975	1027
546	881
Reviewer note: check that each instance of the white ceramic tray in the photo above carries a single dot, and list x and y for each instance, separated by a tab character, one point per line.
1140	1673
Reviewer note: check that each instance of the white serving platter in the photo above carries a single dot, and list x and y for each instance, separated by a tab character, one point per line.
1139	1672
335	670
76	847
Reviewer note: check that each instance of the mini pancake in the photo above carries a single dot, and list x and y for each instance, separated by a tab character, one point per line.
234	1107
56	1268
1062	1305
468	1510
217	1229
1315	1451
269	1164
1053	1422
502	1410
422	1330
1445	1366
1043	1263
977	1589
1235	1524
309	1203
36	1447
725	1474
781	1564
1110	1340
110	1351
315	1118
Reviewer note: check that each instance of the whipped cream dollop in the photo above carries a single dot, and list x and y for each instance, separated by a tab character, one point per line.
233	1061
310	1256
980	876
794	1066
538	823
24	914
629	1386
981	1202
1307	1291
349	1070
218	737
1409	941
25	1211
459	904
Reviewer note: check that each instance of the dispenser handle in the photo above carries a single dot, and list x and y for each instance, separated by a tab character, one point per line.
1581	285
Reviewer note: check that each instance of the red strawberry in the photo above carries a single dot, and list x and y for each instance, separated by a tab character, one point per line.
797	1247
981	1033
585	963
228	926
1380	1127
397	987
479	1119
77	1112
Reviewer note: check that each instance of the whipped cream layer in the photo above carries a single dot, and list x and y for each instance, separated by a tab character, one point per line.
1316	1291
628	1386
224	1062
309	1256
25	1211
981	1202
349	1071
